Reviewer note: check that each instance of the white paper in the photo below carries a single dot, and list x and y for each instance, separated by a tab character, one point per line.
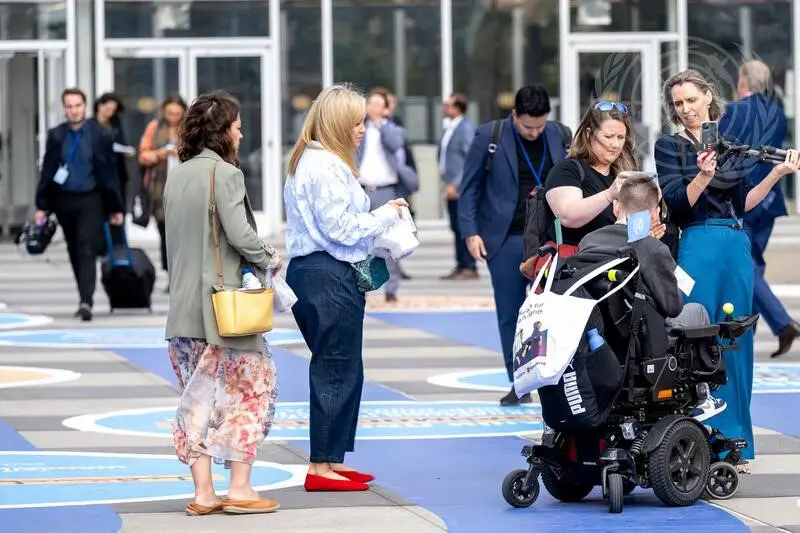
685	281
122	149
399	239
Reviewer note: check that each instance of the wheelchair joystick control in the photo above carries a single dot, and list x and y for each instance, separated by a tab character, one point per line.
728	310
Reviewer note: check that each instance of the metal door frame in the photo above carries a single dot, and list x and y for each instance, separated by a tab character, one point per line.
650	53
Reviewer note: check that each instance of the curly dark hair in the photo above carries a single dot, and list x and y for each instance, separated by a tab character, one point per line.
207	124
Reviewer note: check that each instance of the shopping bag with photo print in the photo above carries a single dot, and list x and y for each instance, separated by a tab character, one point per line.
550	327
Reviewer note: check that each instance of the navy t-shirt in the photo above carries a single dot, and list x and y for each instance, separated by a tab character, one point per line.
676	164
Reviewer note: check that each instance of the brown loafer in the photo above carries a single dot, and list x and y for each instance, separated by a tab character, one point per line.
195	509
249	507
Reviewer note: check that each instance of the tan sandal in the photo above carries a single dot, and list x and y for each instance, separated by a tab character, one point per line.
250	507
195	509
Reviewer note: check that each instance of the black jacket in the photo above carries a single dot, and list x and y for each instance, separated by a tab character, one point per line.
105	167
656	265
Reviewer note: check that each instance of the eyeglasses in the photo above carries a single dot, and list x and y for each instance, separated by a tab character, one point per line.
606	105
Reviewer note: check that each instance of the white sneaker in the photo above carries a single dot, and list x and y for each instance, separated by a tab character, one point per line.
712	406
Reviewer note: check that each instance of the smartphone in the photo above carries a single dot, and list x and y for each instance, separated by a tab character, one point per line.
709	134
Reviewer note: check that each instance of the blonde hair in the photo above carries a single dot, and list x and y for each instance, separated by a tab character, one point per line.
330	121
592	120
715	110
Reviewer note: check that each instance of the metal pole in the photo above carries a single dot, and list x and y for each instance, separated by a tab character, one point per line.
796	90
327	42
446	16
517	47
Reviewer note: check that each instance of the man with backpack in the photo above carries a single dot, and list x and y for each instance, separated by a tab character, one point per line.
507	159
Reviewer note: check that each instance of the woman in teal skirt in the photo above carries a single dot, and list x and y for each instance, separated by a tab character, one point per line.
707	198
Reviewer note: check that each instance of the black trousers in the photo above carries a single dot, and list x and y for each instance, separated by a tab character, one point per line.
81	219
330	314
464	259
162	232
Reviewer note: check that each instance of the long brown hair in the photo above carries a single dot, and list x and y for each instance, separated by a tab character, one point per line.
581	144
330	121
715	110
207	124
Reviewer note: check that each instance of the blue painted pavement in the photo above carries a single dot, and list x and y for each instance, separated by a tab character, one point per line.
72	519
459	479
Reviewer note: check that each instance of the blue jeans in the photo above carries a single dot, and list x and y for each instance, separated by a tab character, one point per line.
717	257
330	314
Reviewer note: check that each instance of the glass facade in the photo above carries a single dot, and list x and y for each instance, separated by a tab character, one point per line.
33	20
277	55
204	18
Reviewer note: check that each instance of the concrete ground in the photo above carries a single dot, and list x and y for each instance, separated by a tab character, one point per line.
401	353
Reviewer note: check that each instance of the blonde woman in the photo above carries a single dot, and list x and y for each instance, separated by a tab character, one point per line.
329	234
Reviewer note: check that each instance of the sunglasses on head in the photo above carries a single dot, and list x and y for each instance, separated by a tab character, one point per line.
605	105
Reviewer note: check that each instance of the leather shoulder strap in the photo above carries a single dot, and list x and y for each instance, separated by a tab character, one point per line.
212	211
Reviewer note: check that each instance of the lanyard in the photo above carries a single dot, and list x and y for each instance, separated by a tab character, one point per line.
74	148
536	175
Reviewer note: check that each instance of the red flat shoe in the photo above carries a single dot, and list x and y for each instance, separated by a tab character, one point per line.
358	477
322	484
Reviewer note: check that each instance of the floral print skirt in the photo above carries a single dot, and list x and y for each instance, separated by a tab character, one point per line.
227	403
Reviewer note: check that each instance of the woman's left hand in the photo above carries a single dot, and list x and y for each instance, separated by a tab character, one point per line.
658	230
791	164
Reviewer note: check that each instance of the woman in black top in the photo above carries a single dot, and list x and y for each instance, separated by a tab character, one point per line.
708	202
603	147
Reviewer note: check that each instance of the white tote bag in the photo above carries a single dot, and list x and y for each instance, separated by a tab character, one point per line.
550	327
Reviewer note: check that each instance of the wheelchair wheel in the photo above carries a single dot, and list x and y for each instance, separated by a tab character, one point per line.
562	489
723	481
615	493
515	494
679	465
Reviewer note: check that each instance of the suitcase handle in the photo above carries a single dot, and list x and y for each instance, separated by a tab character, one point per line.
112	259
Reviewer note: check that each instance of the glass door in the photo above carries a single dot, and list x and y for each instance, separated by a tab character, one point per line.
143	78
628	73
243	73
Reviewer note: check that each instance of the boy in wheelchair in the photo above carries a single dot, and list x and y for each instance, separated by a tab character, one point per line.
639	194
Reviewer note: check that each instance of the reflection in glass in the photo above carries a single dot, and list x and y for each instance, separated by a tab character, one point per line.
589	16
396	46
240	76
616	77
228	18
301	23
33	20
483	52
142	84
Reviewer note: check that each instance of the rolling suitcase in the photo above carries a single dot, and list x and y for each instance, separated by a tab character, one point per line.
127	275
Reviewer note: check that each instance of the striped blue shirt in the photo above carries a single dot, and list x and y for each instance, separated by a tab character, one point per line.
328	211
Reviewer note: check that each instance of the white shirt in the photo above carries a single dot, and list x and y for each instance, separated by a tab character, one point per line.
448	134
375	169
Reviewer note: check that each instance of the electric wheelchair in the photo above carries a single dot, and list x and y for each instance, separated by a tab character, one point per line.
639	433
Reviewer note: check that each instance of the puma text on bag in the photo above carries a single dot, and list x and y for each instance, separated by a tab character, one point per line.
550	328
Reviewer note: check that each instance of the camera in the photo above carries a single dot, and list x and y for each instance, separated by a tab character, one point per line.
710	139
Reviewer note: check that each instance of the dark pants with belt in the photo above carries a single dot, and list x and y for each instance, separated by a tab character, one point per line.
464	260
330	314
80	216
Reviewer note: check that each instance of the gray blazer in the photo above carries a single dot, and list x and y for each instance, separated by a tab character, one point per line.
393	139
190	248
456	153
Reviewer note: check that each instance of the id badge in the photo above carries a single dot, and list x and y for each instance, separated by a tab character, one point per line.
61	175
638	226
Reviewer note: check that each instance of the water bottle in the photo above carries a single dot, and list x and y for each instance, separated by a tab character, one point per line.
595	339
249	280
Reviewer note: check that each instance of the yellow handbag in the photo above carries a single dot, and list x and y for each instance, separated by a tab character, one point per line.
239	312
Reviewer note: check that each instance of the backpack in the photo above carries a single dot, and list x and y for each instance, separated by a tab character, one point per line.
539	219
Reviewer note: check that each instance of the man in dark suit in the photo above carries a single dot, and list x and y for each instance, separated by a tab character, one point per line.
491	207
79	183
757	119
